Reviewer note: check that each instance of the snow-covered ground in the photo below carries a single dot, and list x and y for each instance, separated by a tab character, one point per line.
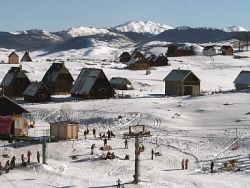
199	128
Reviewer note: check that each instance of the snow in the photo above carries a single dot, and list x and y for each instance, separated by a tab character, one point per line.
234	28
199	128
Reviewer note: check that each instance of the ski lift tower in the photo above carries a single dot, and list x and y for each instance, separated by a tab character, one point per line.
137	132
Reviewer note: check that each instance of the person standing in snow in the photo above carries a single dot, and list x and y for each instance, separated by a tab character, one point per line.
28	155
212	167
126	143
38	156
152	154
105	141
182	164
94	133
118	183
92	148
1	168
7	166
13	162
186	164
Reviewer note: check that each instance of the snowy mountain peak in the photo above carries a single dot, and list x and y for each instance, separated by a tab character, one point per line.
143	27
85	31
234	28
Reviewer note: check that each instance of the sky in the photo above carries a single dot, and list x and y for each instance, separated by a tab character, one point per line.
58	15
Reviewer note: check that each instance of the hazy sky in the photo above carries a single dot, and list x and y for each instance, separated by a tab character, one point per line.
57	15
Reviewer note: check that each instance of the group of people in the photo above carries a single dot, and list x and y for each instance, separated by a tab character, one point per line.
184	164
8	165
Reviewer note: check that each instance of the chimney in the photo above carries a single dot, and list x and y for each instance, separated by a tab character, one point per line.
20	67
63	64
179	69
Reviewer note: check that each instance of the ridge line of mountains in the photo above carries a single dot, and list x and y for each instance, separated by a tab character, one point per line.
135	33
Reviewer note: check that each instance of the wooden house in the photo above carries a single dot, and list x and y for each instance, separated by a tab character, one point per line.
173	51
156	61
226	50
9	107
209	50
121	83
58	79
242	81
138	61
15	82
92	84
26	57
181	82
124	57
64	130
13	58
37	92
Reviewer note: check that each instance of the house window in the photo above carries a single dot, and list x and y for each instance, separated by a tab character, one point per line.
42	96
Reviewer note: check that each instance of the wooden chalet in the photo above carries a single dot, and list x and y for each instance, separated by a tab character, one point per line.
64	130
124	57
15	82
226	50
121	83
13	58
156	61
92	84
26	57
138	61
58	79
37	92
173	51
181	82
242	81
9	107
209	50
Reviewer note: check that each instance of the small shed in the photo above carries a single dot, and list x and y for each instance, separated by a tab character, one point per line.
124	57
138	61
26	57
121	83
160	60
13	58
242	81
64	130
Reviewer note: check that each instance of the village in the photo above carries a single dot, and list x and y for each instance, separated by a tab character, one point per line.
93	140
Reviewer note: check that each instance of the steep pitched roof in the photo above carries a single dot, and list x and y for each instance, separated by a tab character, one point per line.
33	88
225	48
119	80
208	47
9	107
26	57
54	71
177	75
243	78
12	75
125	54
13	53
85	80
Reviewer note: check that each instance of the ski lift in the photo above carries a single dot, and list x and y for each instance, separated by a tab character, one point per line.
141	147
6	153
158	150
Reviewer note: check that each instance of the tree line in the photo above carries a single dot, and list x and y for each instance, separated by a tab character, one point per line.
241	40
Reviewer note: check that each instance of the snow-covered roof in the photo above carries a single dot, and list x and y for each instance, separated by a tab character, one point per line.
177	75
11	76
117	80
33	88
85	80
243	78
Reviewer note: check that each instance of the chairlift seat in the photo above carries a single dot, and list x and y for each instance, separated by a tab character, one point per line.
5	156
158	154
235	147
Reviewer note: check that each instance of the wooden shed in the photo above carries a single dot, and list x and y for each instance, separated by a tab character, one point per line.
64	130
138	61
209	50
242	81
13	58
226	50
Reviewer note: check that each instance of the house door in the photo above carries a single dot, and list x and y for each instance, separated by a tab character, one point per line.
102	93
188	90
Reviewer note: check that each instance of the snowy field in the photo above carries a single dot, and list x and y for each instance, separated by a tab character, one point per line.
199	128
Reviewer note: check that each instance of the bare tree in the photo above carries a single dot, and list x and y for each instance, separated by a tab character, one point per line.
246	39
237	41
66	112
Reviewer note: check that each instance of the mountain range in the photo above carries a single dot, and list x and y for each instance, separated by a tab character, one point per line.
130	33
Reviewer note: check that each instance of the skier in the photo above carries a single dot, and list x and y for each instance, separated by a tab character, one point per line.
118	183
38	156
109	135
13	162
105	141
1	168
7	166
94	133
28	155
182	164
152	154
92	148
22	158
186	164
212	167
126	143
